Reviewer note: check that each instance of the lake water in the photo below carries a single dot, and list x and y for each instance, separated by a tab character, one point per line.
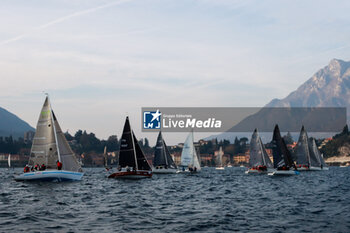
210	201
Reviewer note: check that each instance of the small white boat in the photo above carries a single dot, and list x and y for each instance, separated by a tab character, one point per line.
283	173
219	159
189	158
229	165
50	175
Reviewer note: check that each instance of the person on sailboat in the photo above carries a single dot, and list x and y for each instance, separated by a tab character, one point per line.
195	169
26	169
37	167
43	167
59	165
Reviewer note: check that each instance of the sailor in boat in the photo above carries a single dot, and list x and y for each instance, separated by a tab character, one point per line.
42	167
26	169
195	169
59	165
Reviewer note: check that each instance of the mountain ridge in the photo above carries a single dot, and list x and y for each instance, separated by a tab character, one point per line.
12	125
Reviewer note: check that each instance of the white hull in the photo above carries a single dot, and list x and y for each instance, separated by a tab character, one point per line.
50	175
164	171
255	171
325	168
283	173
315	169
303	169
220	168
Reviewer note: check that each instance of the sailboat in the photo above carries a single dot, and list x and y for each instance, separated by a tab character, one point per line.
318	157
163	162
219	159
9	160
49	147
306	154
282	159
132	162
259	161
189	158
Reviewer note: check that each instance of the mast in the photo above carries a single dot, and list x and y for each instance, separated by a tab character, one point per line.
194	148
54	130
133	145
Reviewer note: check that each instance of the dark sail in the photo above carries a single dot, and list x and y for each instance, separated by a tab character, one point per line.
127	148
302	152
159	154
170	160
162	155
142	163
281	154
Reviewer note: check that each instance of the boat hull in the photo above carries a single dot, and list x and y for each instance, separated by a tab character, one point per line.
220	168
315	169
164	171
284	173
303	169
256	171
50	175
134	175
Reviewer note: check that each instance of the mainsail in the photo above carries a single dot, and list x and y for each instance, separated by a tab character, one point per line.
219	157
281	154
130	154
105	156
162	155
315	155
50	144
189	155
258	154
302	153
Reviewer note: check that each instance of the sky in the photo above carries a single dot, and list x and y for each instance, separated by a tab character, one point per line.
102	60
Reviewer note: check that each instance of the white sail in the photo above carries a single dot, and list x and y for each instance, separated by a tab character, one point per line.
189	155
9	160
50	144
219	157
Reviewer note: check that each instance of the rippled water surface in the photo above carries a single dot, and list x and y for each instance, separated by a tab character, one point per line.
210	201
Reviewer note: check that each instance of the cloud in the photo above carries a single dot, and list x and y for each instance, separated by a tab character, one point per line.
62	19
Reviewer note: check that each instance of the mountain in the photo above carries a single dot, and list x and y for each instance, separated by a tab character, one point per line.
10	124
329	87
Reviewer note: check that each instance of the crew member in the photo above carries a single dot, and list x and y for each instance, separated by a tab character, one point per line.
59	165
26	169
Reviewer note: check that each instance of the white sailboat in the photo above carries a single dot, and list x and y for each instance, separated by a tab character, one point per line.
219	160
189	158
49	147
9	160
